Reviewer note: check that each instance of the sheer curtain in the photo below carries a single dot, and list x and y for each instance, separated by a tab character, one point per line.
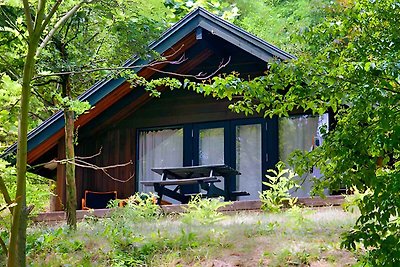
211	148
304	133
248	160
162	148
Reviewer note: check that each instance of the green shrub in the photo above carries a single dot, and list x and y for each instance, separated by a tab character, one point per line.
353	201
203	211
277	195
137	207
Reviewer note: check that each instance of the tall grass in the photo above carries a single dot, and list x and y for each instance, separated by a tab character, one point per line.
246	238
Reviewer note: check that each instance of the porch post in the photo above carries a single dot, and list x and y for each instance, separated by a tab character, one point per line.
60	183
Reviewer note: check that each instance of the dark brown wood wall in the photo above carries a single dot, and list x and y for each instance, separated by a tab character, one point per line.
118	141
179	107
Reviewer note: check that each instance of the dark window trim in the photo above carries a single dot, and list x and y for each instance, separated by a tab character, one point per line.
269	140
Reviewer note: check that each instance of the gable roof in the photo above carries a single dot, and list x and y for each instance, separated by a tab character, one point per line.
197	19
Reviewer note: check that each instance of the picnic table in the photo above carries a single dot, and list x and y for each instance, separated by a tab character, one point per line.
204	176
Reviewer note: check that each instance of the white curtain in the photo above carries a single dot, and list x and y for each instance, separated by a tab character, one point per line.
301	132
248	160
162	148
211	146
211	149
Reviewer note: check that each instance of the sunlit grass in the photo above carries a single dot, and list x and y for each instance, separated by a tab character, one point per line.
294	237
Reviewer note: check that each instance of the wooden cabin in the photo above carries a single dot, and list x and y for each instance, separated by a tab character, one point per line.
180	128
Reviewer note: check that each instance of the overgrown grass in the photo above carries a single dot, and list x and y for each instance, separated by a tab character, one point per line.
294	237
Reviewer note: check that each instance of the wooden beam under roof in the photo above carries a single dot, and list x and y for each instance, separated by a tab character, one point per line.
182	46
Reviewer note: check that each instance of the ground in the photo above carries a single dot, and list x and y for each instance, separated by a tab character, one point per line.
296	237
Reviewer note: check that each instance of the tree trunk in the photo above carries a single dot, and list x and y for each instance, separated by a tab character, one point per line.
6	195
17	246
70	155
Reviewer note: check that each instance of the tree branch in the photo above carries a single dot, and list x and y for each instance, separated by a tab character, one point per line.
37	116
28	18
10	68
199	76
179	61
6	195
40	14
46	82
3	246
90	157
50	15
58	25
79	162
10	22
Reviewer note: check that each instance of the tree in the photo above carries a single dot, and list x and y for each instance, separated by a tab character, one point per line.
101	35
350	65
37	22
222	8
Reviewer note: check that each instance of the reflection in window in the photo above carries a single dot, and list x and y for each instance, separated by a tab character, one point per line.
304	133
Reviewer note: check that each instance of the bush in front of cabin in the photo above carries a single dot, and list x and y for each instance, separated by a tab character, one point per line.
277	195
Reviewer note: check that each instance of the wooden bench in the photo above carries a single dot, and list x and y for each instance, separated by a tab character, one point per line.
160	187
240	193
197	180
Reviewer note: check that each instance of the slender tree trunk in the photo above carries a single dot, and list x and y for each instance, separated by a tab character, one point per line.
17	246
70	155
6	195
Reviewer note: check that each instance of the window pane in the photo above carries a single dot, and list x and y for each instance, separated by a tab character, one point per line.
163	148
211	146
211	149
303	133
248	160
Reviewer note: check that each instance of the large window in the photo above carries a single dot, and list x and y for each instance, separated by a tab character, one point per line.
302	132
248	145
158	148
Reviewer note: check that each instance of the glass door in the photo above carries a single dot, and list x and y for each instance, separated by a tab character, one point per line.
248	145
211	144
241	144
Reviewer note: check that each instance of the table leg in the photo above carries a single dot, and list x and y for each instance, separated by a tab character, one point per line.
160	190
228	188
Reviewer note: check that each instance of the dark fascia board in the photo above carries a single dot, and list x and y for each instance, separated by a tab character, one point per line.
222	28
197	18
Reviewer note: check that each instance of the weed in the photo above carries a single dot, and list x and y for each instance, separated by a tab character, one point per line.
203	211
261	229
352	202
299	218
138	207
166	241
279	185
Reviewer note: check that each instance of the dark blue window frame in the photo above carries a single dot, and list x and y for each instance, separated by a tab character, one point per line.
269	140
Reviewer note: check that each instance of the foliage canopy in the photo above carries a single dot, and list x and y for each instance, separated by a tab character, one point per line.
349	65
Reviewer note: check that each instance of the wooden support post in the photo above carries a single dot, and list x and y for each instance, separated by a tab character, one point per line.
53	195
60	187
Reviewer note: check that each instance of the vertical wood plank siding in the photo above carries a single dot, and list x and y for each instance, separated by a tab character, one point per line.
118	141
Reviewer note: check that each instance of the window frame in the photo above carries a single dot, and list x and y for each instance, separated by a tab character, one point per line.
269	141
